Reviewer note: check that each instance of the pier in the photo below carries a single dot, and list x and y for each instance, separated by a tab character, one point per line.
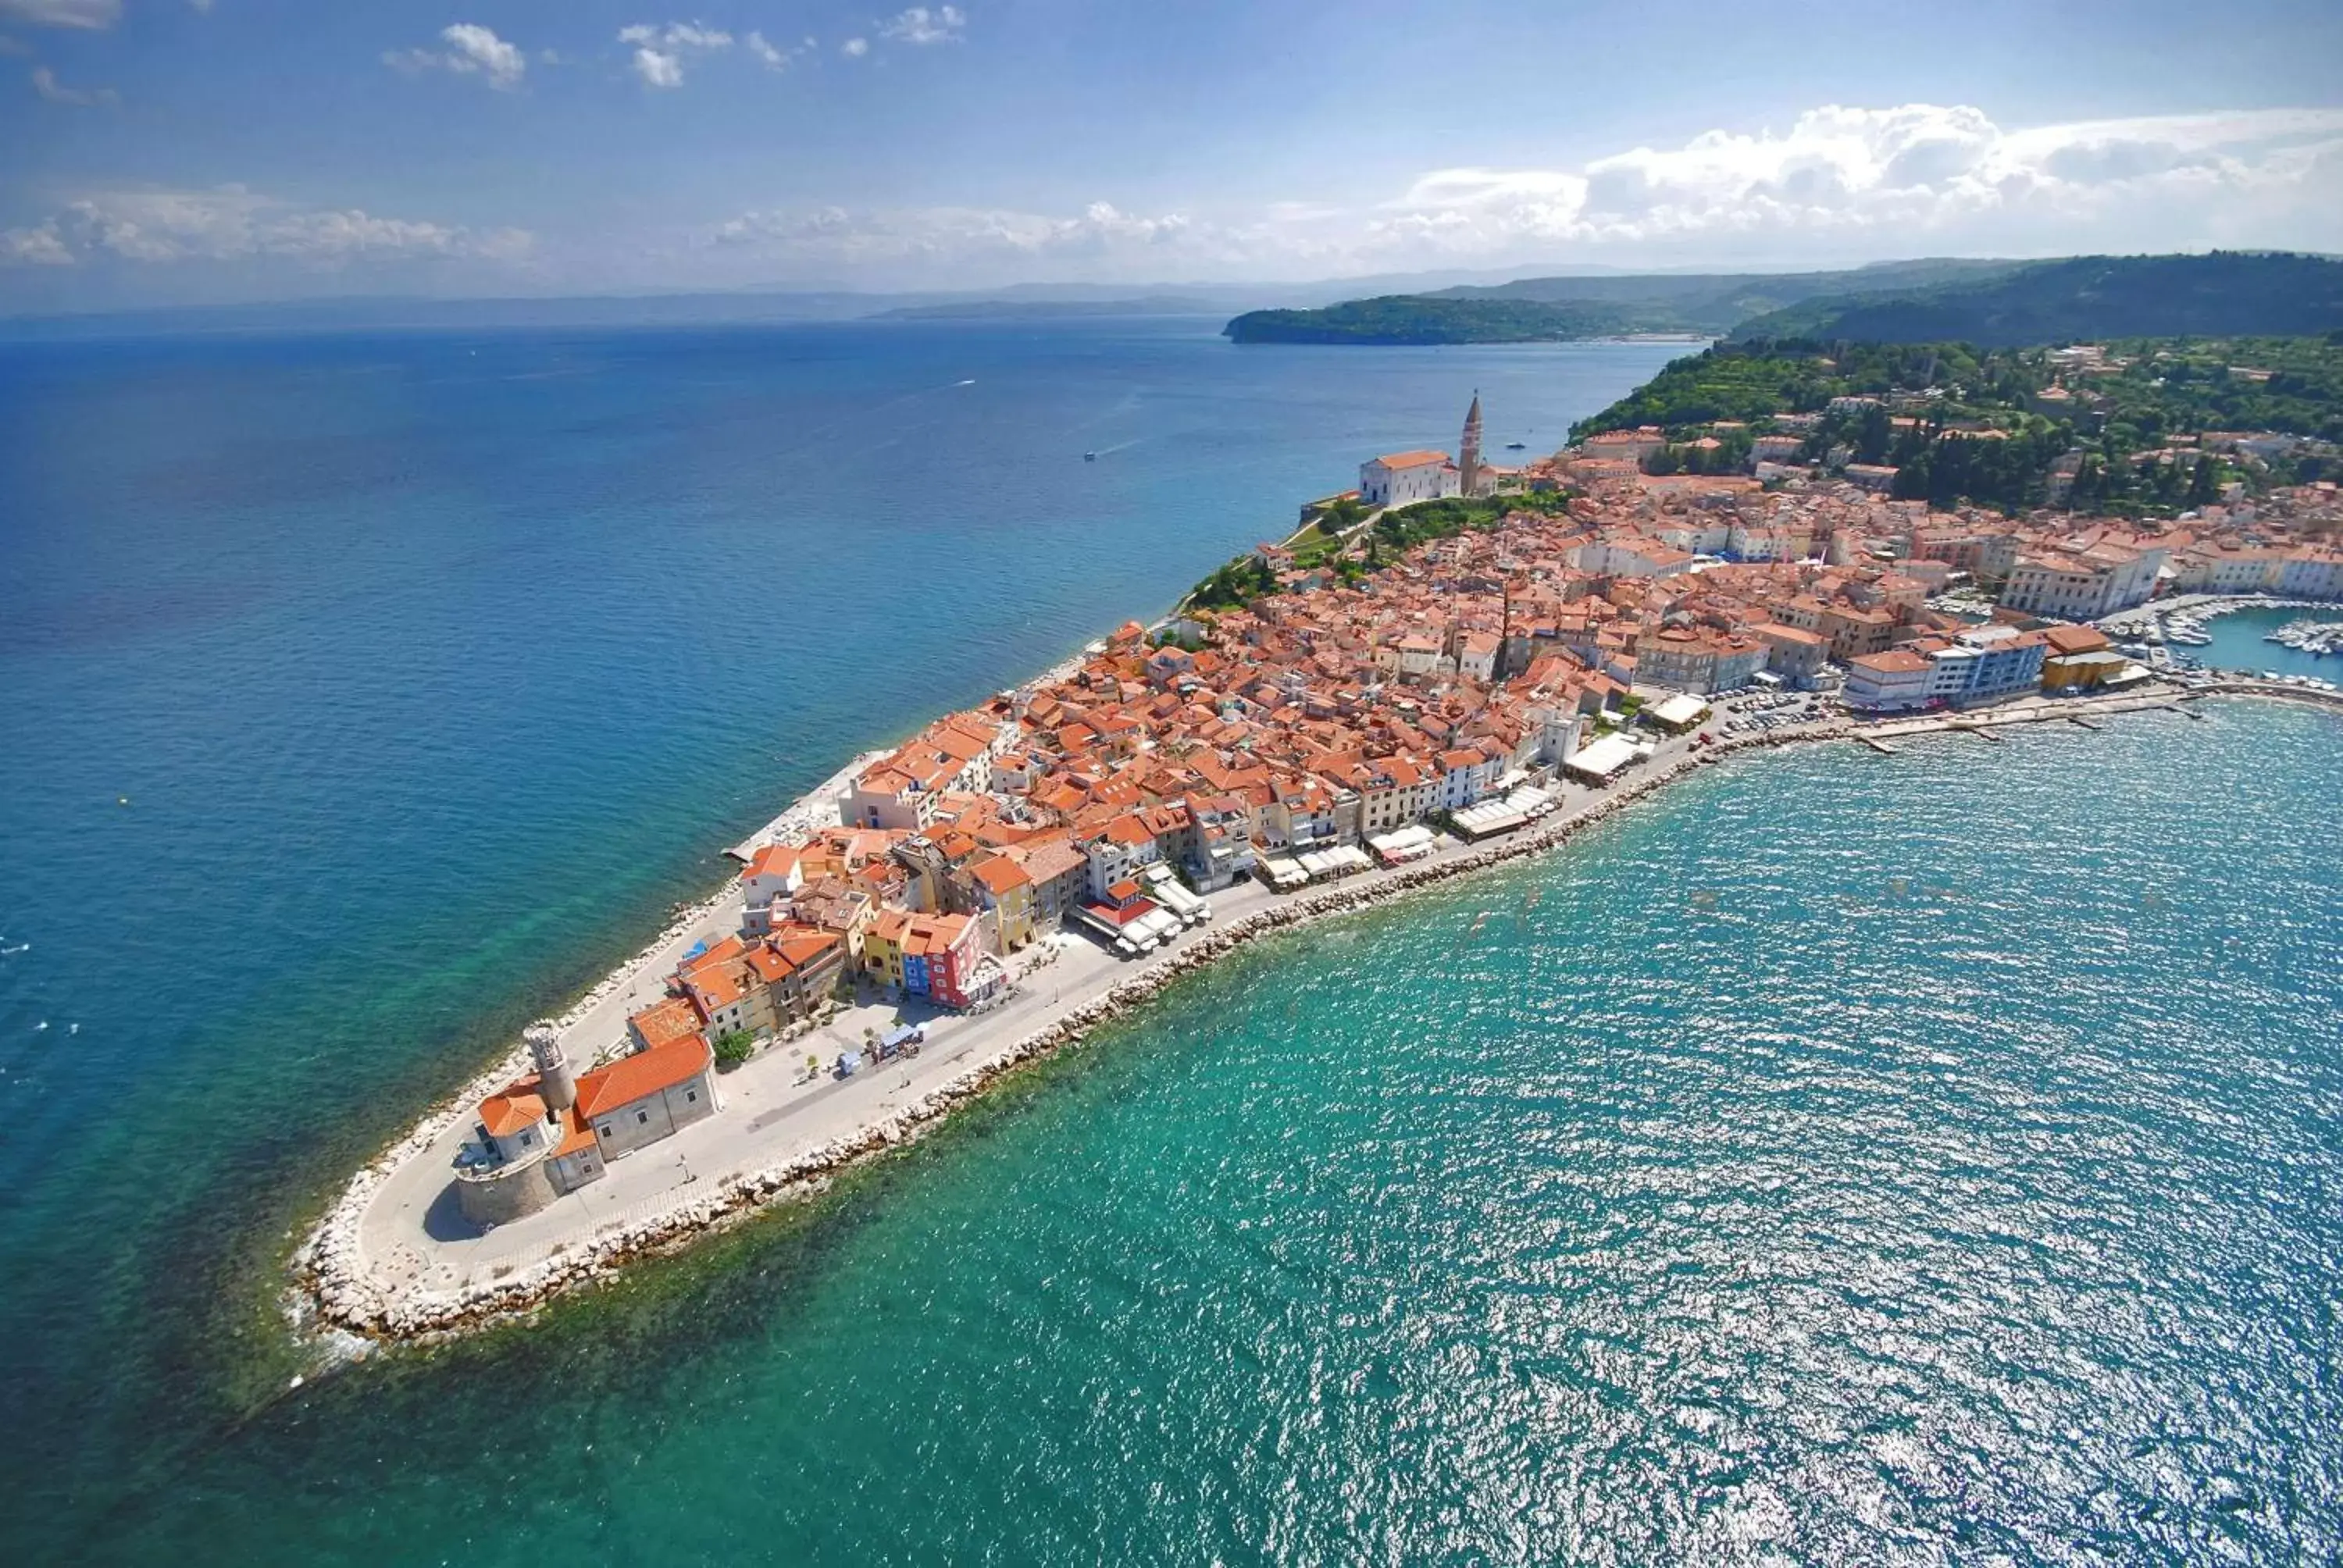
2078	718
1877	745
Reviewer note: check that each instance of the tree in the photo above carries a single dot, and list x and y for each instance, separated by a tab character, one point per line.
733	1046
1873	434
2205	482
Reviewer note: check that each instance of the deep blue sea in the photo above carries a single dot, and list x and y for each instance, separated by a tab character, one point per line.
1842	1158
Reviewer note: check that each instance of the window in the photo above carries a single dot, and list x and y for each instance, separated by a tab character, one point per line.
642	1118
603	1131
693	1095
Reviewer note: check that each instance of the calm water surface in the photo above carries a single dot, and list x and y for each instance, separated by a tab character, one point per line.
1841	1158
360	696
2238	644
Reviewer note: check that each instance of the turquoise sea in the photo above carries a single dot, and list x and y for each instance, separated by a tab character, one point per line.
1839	1158
2239	642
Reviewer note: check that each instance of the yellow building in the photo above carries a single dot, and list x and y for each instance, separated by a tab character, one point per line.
1006	889
2079	659
882	946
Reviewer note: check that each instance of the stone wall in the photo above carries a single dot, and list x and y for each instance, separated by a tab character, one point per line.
507	1194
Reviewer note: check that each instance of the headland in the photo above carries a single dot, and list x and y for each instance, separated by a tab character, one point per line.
1412	705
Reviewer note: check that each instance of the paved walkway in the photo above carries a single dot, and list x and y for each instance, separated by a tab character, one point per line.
412	1235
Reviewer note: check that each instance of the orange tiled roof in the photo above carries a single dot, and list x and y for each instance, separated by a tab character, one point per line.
512	1108
645	1073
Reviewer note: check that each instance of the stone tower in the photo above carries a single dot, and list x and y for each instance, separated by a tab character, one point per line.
555	1084
1468	456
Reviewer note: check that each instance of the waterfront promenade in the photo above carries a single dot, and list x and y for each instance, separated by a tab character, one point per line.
396	1256
413	1247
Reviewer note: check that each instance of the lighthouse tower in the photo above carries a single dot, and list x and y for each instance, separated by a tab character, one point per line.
554	1085
1468	455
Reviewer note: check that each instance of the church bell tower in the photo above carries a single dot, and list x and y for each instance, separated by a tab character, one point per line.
1468	455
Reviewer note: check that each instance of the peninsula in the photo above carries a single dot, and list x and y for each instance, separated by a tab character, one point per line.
1459	662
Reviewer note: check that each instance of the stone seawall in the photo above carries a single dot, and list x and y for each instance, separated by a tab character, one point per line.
331	1276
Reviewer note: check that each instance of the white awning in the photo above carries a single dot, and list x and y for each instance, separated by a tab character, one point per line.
1603	757
1680	710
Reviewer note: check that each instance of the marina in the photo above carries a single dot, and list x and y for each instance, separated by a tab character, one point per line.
2317	637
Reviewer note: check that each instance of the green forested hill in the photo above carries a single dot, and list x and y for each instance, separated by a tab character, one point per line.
2227	293
1993	304
1407	318
1544	310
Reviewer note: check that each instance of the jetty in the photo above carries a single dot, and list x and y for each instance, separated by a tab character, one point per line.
1876	744
2085	723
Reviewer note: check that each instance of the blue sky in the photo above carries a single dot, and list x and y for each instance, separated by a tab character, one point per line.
162	151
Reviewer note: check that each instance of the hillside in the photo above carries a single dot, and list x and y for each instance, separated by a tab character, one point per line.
1547	309
2121	427
2227	293
1415	318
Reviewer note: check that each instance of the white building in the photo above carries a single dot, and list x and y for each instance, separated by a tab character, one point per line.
2084	585
1466	775
1397	478
1895	681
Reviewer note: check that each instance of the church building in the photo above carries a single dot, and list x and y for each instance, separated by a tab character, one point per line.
1401	479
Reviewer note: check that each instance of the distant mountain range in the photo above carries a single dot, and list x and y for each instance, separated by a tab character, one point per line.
748	306
1988	303
1046	309
1536	309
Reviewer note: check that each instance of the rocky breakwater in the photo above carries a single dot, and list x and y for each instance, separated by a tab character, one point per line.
338	1287
334	1273
332	1281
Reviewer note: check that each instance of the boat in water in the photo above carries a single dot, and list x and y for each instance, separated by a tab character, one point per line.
1090	457
2315	638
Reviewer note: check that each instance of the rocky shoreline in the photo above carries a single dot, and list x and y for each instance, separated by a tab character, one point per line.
334	1293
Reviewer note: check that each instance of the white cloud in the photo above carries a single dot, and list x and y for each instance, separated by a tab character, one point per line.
660	51
1840	186
230	222
203	5
14	49
472	51
86	13
920	25
46	83
905	245
855	48
755	45
658	68
39	247
1897	180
